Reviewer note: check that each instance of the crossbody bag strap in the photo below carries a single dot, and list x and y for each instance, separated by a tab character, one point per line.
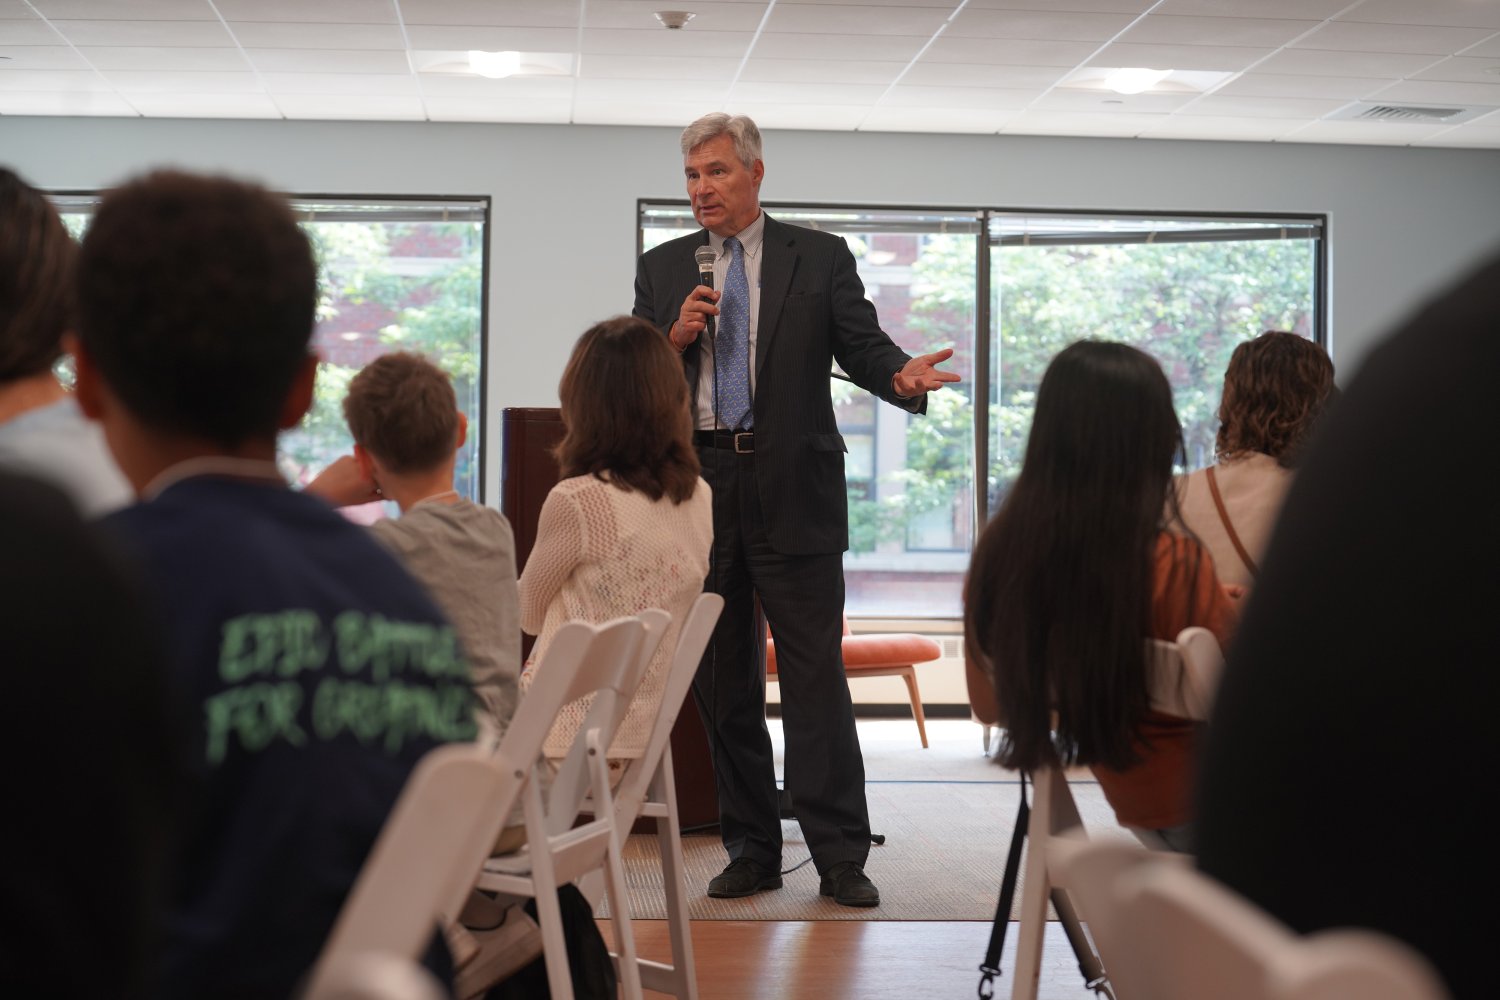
1234	537
991	967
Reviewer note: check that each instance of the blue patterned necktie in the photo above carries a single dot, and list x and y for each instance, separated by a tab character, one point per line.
732	351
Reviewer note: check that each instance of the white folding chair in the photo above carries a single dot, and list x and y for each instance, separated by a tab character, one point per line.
376	975
1191	937
1183	676
648	790
611	663
423	862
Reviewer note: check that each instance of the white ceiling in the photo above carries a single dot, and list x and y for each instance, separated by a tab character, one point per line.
1254	70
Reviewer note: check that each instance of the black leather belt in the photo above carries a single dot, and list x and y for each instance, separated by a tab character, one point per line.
740	442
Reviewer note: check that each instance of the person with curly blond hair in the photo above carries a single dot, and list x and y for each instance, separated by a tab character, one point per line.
1275	389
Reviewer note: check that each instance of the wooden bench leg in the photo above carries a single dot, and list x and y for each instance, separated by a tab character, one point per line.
909	674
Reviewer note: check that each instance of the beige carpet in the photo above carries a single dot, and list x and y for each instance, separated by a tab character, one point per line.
946	813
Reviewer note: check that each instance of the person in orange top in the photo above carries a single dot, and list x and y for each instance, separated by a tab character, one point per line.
1071	577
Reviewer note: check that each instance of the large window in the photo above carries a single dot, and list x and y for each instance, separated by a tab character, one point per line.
394	274
1186	289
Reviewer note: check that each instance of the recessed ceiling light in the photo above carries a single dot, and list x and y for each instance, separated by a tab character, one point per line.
1134	79
1493	71
495	65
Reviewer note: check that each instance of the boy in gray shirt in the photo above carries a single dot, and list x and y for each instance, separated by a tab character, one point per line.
407	428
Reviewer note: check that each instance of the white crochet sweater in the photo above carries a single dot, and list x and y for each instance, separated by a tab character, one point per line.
601	553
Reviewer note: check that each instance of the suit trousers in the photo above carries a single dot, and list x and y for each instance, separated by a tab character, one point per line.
802	597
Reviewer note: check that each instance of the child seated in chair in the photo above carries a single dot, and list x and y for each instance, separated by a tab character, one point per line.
1075	573
313	670
630	525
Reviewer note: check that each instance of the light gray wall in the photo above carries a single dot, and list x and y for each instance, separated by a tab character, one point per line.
1402	222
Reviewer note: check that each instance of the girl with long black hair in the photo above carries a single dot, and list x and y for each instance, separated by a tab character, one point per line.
1075	573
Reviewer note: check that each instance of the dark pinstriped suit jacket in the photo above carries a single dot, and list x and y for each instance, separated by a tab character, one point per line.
812	310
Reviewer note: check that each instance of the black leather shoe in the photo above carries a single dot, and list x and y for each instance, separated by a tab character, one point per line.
743	877
847	883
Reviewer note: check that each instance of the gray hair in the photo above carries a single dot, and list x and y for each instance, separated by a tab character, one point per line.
738	127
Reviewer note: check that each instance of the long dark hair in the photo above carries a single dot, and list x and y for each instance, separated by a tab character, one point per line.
1058	600
625	411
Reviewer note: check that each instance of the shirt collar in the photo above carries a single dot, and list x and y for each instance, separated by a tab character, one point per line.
751	237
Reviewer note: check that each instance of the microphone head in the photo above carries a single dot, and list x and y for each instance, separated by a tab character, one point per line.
705	257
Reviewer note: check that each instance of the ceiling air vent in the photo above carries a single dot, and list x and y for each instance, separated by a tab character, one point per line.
1407	113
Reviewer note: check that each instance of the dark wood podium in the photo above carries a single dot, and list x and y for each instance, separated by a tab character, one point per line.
527	472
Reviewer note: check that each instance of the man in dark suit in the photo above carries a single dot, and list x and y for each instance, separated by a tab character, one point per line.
789	303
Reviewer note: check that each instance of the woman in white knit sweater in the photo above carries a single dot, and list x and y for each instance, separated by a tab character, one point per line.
630	525
1275	388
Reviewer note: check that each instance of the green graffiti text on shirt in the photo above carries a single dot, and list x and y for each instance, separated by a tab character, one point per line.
262	655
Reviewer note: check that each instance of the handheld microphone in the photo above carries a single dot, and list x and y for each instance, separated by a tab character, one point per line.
705	257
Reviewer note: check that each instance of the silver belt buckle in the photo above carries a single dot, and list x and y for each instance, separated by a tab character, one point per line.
749	448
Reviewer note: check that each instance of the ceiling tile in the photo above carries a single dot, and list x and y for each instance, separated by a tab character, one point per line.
839	19
1463	69
318	12
205	105
41	57
261	35
350	106
1085	6
328	61
65	104
425	36
1277	85
372	84
791	93
1080	123
1458	13
603	112
867	48
1435	92
1219	58
1314	62
1106	102
686	68
16	10
1008	52
821	71
1314	10
1365	133
510	13
971	120
1348	36
969	98
78	81
1052	26
34	32
1485	50
615	41
710	16
802	116
507	91
143	57
203	34
1229	129
1244	31
140	10
473	109
937	74
1263	107
707	95
167	82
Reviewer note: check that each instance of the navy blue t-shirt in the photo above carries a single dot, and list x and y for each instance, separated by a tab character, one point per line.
315	673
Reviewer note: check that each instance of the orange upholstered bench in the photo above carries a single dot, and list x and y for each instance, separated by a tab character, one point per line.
881	654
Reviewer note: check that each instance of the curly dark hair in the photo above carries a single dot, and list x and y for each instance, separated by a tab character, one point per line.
1275	388
196	301
401	409
625	411
36	269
